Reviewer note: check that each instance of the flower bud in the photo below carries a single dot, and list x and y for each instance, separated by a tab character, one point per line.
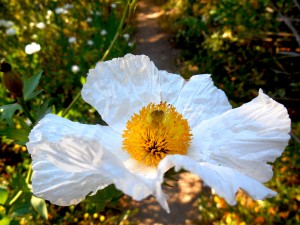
12	81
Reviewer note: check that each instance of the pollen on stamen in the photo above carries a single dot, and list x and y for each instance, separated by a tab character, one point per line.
156	131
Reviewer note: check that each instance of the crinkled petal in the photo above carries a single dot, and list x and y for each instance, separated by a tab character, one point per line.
64	187
52	128
170	86
200	99
121	87
245	138
69	167
225	181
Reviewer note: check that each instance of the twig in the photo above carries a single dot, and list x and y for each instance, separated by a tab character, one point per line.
296	4
295	137
288	23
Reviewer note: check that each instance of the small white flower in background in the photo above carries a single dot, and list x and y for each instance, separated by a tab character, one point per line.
126	36
91	12
68	6
156	121
98	13
31	24
41	25
11	31
75	69
103	32
61	10
90	42
49	14
113	5
72	40
32	48
89	19
6	23
130	44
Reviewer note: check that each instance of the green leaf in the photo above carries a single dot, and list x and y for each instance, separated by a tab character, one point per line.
43	110
22	206
33	94
102	197
15	134
30	85
7	112
5	220
3	195
40	206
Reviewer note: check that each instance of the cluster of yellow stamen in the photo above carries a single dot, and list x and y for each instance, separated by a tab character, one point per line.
156	131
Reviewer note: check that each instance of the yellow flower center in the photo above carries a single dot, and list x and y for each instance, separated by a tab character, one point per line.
156	131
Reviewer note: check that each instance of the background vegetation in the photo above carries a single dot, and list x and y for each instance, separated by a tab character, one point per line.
246	45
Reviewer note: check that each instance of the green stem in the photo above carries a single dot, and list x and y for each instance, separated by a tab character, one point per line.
71	104
112	43
26	110
20	192
17	196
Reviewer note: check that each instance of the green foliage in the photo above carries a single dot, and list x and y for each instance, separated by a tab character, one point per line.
8	111
30	85
40	206
243	44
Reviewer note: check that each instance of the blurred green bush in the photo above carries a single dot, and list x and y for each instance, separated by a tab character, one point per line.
72	38
244	44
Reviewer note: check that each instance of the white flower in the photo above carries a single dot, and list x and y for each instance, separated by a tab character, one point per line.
89	19
10	31
32	48
126	36
98	13
90	42
72	40
157	120
130	44
103	32
68	6
113	5
6	23
60	10
41	25
75	68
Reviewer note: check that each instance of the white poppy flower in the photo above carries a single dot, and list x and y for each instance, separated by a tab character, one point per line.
75	69
157	121
72	40
41	25
103	32
11	31
32	48
90	42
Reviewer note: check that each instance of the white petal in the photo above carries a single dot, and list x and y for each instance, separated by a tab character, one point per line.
225	181
62	187
52	128
63	178
199	100
121	87
70	161
170	86
245	138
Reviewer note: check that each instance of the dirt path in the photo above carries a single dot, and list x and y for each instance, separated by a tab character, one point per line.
153	42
